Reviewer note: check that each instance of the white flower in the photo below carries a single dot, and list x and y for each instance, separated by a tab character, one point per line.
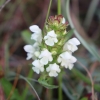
53	69
32	51
38	67
51	38
63	20
45	56
37	34
71	45
66	60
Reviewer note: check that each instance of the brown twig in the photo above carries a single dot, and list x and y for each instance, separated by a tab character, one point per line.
4	5
1	93
15	83
92	83
93	66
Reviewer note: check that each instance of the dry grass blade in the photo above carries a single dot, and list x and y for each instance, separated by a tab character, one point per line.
15	83
92	83
1	94
4	5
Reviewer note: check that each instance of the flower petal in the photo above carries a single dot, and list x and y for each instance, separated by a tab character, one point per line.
37	37
36	70
38	66
53	70
28	48
51	38
35	28
44	61
74	41
70	66
59	59
73	59
52	74
49	42
63	20
52	33
29	56
35	63
55	40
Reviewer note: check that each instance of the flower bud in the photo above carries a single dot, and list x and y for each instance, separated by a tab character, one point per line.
65	32
57	23
60	43
37	53
53	52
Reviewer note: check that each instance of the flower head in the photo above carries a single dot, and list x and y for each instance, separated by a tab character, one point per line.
37	34
53	70
45	57
71	45
38	66
32	50
48	53
66	60
51	38
57	22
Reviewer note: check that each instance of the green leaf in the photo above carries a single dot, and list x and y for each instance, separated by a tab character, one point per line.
85	79
1	2
46	84
84	98
26	35
7	87
69	34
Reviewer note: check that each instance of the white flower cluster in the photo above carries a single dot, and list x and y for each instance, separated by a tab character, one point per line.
43	57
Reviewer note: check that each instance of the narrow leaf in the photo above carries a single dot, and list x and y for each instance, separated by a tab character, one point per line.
26	35
7	86
46	85
85	79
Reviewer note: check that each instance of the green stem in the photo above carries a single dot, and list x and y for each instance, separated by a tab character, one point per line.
6	58
48	12
60	87
50	90
60	75
59	7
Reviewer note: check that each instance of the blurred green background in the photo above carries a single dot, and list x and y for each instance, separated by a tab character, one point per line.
15	18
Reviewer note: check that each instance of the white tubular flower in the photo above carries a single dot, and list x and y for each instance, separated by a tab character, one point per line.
71	45
38	67
32	51
51	38
53	70
45	56
66	60
63	20
37	34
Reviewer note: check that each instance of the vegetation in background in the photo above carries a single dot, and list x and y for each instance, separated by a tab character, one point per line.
18	81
